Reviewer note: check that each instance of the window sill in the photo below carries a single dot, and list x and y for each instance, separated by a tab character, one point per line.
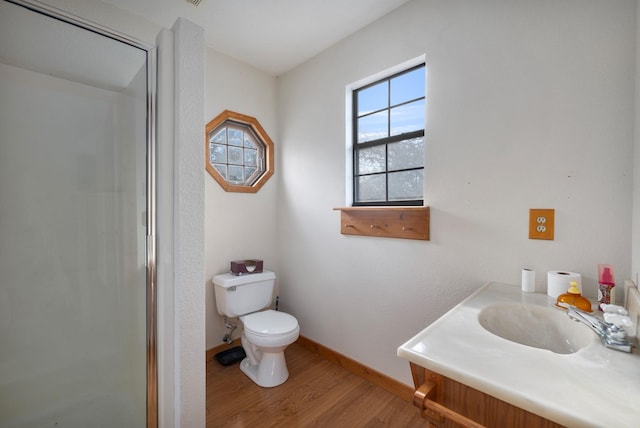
385	222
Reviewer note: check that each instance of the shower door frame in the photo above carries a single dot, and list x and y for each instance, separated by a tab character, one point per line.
150	244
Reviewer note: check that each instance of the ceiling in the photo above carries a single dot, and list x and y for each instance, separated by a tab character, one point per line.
271	35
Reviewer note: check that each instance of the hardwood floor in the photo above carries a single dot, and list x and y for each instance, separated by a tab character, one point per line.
318	393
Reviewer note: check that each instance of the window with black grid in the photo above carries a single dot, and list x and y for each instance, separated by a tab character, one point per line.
388	140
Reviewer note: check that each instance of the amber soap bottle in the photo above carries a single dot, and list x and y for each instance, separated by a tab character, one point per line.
573	298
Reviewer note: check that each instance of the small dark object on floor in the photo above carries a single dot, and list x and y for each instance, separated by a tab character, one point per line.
230	356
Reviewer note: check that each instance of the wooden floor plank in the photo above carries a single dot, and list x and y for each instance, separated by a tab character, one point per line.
318	393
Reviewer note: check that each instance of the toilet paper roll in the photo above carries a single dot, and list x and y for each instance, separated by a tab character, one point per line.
559	281
528	281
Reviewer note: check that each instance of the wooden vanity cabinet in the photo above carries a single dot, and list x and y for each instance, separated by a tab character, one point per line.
447	403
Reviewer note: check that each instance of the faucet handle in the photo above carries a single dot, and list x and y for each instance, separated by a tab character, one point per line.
613	309
617	319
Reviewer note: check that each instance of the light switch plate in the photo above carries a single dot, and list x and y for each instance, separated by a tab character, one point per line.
541	223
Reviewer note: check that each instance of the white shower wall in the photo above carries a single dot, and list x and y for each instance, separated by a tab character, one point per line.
73	283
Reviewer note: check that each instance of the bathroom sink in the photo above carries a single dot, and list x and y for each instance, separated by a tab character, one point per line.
536	326
518	348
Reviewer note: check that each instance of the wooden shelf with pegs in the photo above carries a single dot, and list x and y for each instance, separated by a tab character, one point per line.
385	222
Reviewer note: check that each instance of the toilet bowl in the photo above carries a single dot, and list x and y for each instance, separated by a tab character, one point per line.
265	337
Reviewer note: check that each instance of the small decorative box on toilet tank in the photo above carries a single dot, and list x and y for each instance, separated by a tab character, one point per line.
242	267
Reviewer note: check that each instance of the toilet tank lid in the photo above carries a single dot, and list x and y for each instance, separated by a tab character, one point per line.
227	280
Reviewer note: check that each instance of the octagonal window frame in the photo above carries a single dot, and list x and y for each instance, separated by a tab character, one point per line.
249	125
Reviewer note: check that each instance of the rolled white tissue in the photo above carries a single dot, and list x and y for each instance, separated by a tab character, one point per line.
559	281
528	281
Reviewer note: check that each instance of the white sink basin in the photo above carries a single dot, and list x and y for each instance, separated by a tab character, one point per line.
536	326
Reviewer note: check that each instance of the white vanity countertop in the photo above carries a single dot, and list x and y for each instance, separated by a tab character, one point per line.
595	386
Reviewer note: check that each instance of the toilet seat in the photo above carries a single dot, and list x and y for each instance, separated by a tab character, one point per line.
269	323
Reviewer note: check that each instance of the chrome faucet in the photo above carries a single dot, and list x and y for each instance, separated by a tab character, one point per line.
612	335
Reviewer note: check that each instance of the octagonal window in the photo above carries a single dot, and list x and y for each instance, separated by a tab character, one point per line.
239	152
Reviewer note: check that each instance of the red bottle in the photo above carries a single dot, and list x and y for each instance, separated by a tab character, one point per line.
606	282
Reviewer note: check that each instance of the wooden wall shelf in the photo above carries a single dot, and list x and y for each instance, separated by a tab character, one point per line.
385	222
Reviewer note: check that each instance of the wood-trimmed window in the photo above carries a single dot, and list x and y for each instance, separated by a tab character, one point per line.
239	152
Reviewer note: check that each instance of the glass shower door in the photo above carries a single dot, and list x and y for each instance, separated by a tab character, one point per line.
73	203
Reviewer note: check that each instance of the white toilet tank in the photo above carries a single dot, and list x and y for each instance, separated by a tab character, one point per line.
243	294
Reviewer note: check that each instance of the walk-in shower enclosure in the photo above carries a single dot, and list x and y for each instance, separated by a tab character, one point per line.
76	224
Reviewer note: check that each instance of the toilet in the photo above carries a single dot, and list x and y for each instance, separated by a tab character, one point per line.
266	332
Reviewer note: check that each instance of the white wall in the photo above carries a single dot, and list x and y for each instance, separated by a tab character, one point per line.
529	105
635	263
189	221
238	225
